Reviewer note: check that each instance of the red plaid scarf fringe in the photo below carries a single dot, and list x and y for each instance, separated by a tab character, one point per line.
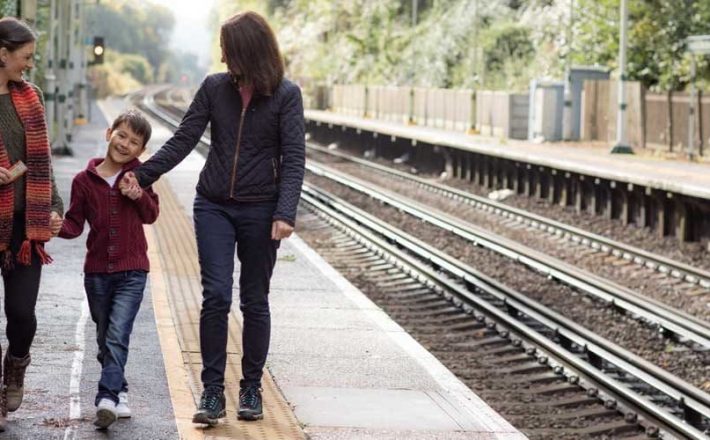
38	180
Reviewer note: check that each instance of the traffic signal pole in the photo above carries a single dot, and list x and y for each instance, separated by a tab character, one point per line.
82	102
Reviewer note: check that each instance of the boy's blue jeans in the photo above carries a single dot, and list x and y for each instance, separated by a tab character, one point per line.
114	300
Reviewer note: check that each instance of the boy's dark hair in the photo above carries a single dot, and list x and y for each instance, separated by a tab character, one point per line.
14	34
136	121
250	48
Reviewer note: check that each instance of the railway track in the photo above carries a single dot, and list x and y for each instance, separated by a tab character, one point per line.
693	276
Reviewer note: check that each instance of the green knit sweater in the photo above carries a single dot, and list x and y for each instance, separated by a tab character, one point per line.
13	135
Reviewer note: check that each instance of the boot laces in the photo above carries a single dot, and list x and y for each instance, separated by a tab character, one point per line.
210	401
249	396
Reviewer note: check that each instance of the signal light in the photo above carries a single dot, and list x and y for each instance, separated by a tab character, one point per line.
99	50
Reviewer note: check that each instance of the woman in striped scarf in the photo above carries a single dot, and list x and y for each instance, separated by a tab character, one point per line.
30	207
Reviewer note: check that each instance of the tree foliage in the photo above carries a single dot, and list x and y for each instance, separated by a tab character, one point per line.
487	43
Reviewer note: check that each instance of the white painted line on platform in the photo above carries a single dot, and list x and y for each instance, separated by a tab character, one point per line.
76	370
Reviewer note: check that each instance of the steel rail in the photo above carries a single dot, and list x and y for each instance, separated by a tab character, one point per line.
671	320
454	276
690	274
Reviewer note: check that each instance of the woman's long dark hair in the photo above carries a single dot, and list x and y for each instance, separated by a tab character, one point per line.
251	52
14	34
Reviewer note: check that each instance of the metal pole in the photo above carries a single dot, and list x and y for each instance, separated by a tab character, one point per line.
567	111
621	145
60	146
83	98
691	112
50	85
410	120
415	5
475	44
474	68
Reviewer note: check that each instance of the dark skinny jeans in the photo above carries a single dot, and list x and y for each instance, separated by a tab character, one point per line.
220	228
21	285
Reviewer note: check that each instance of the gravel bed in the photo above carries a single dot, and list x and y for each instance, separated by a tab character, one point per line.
642	280
690	365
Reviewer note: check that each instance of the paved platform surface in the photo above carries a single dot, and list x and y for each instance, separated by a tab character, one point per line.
683	177
380	384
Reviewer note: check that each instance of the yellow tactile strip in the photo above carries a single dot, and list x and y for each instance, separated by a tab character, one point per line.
176	290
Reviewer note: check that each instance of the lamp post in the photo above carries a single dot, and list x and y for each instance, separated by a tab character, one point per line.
697	45
410	119
621	144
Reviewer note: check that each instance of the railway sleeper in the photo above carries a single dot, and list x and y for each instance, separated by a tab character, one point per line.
397	282
387	269
467	326
376	277
596	411
556	388
416	290
528	368
544	377
413	308
576	401
358	260
490	339
507	353
610	428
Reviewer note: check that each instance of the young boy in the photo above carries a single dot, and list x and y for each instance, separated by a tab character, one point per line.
116	262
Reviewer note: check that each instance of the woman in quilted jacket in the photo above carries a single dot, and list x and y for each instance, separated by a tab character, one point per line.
246	197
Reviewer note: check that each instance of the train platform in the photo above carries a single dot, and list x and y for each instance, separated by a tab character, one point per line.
338	367
643	169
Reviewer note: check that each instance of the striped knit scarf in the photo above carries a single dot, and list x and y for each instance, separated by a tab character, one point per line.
38	181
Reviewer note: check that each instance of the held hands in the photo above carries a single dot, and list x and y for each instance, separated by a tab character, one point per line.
129	186
280	230
55	223
5	176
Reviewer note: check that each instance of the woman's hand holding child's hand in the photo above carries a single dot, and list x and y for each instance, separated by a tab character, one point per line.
55	223
5	176
129	186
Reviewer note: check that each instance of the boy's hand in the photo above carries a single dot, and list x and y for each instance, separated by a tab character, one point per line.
128	180
129	186
55	223
132	192
280	230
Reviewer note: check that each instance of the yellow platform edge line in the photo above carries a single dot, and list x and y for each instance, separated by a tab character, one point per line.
177	375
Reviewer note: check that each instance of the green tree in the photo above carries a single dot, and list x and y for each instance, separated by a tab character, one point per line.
507	50
657	50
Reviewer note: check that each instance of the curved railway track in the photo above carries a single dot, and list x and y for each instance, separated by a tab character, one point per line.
483	316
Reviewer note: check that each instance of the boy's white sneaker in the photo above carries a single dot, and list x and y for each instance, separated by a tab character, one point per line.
122	408
105	413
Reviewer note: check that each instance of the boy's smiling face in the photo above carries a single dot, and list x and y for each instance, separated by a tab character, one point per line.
124	144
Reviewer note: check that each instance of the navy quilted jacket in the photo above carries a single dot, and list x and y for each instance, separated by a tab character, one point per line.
257	153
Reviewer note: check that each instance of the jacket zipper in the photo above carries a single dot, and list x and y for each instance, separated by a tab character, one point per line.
276	174
236	155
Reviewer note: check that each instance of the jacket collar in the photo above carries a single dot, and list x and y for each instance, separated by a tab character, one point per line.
93	163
